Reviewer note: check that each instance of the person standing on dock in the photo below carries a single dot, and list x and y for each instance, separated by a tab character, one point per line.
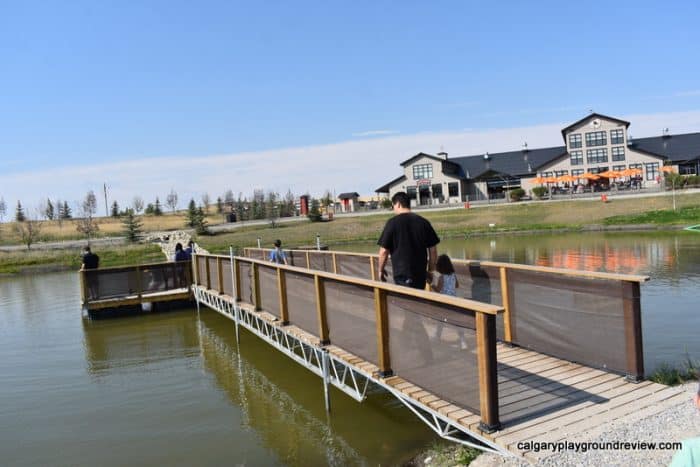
277	255
91	261
412	243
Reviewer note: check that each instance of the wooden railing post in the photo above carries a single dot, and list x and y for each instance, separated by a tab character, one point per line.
206	264
256	286
631	299
83	288
195	269
335	264
372	270
321	310
237	279
308	261
220	275
507	305
282	290
382	323
488	376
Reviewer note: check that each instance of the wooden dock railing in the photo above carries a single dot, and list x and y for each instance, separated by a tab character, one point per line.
126	285
445	345
587	317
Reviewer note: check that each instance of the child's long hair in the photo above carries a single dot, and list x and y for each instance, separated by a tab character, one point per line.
444	265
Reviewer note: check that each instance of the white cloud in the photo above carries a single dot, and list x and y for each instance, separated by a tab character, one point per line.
376	133
360	166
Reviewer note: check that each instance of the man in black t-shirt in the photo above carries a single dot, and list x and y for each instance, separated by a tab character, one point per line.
91	261
411	242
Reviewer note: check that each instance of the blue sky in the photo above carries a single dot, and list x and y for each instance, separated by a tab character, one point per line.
101	84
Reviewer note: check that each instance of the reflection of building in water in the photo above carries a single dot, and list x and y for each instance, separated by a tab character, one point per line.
112	344
289	414
608	256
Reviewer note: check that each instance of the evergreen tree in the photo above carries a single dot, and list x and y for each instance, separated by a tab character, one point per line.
50	213
200	224
66	213
19	213
191	214
115	209
157	209
219	205
3	209
315	212
150	209
132	226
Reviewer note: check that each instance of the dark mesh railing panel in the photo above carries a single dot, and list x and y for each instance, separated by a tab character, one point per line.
102	284
353	265
213	274
269	290
202	271
246	282
480	283
227	277
301	299
434	347
574	318
351	319
295	258
320	261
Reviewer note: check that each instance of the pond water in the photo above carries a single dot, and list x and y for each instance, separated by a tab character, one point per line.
670	299
170	389
175	389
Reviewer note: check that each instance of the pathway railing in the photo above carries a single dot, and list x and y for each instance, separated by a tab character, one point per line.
445	345
127	281
592	318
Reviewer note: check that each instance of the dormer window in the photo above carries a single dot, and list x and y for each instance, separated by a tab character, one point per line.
575	140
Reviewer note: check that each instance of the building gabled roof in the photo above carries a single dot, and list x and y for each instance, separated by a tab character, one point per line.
349	195
588	117
675	148
385	188
514	163
418	156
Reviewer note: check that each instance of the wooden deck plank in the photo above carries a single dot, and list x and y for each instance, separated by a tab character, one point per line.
525	391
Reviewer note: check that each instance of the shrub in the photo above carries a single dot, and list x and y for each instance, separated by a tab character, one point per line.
693	180
539	191
517	194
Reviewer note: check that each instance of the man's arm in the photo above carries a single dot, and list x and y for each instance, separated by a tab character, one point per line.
432	260
383	256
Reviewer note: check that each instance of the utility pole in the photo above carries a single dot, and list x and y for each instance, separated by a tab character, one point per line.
106	205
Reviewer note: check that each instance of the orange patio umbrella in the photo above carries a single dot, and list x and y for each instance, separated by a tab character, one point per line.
631	172
540	180
667	169
590	176
550	180
610	174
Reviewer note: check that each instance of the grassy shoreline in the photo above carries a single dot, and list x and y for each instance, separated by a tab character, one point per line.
652	213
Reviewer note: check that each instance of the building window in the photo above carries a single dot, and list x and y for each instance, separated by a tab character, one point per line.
635	166
597	170
617	137
577	172
411	192
618	168
652	170
596	156
576	157
596	138
559	173
546	174
437	191
575	140
453	189
422	171
618	153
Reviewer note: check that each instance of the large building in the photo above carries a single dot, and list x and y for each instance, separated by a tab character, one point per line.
594	144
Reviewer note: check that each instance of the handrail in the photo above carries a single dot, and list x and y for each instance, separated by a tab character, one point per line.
525	267
131	268
484	314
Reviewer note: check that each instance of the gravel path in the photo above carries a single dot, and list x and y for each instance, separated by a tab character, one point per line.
673	424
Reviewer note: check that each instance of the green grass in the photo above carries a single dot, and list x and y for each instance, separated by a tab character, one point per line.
441	453
684	215
24	261
674	375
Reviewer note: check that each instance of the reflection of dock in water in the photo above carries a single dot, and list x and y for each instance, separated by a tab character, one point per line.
286	412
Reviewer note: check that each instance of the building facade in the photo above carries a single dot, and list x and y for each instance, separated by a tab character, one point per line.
595	144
